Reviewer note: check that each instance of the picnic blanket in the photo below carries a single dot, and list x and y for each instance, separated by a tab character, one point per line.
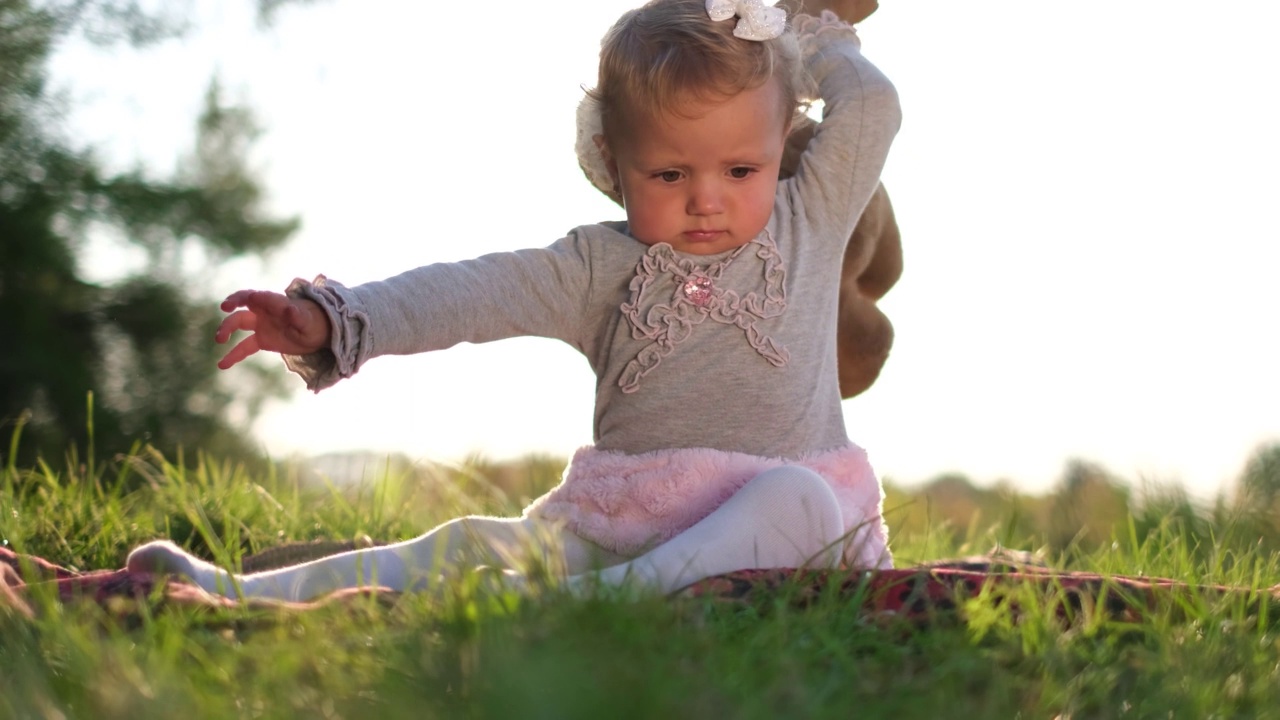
917	594
23	577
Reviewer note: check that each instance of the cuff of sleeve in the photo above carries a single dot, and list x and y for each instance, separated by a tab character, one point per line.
351	342
816	34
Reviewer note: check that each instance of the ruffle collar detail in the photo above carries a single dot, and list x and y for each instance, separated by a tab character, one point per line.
696	296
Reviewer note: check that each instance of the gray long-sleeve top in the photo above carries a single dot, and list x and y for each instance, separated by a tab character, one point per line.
753	369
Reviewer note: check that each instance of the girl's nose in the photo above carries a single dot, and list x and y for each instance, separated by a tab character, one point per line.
705	198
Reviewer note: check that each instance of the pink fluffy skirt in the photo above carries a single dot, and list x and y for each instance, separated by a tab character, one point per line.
629	504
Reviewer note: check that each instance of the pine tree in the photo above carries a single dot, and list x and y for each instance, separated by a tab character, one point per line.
140	344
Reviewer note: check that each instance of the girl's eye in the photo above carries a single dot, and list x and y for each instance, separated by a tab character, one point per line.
741	173
668	176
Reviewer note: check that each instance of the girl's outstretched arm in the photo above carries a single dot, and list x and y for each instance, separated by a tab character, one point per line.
290	326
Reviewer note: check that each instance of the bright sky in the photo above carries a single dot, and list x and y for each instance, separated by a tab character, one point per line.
1088	205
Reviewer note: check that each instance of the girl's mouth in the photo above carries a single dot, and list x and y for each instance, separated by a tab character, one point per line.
703	235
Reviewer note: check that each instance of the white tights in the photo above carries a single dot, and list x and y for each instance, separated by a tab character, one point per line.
784	517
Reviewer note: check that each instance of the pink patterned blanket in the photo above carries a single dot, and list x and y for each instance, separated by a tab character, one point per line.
916	594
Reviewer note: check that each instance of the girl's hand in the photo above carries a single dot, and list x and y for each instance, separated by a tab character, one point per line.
279	324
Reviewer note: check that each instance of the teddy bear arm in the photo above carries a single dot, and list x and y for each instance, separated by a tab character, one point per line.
874	253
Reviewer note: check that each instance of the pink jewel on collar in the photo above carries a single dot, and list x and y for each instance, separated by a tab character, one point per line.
697	290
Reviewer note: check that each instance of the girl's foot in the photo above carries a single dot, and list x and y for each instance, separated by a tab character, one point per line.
162	557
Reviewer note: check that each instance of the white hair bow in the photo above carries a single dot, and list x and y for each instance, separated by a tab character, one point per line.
756	21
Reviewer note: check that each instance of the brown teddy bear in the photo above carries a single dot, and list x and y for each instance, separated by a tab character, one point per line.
873	257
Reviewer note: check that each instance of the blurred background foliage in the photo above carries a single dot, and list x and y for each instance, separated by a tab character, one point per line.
140	342
1089	508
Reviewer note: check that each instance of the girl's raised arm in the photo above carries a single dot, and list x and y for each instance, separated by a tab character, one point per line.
840	169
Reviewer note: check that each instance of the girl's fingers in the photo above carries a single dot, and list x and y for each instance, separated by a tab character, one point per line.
259	311
259	301
244	349
242	320
265	302
236	299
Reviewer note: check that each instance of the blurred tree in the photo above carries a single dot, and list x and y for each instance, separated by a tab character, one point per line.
973	519
140	343
1087	509
1167	506
1260	481
1256	515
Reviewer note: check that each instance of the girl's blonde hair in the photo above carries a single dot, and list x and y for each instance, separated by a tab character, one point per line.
667	52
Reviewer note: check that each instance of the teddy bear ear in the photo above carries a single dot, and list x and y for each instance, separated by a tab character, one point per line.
588	147
850	11
862	10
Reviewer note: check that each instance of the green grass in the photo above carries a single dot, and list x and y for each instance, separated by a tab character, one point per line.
480	654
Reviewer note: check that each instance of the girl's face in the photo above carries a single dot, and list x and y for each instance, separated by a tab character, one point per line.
702	180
